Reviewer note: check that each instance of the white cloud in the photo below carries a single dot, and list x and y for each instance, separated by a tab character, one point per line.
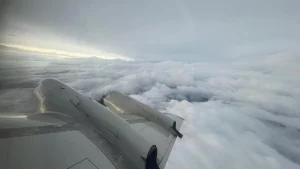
238	115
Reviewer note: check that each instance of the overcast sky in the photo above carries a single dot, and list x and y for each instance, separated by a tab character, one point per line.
192	30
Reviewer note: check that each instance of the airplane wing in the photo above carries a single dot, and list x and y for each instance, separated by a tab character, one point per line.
71	131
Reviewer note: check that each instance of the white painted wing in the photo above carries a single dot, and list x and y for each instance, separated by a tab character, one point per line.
73	131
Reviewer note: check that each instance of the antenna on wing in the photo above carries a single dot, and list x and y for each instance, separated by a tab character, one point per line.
175	130
151	162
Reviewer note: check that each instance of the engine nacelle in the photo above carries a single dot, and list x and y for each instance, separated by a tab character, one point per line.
121	103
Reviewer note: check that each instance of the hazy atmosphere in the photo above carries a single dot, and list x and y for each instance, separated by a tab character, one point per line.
229	68
155	30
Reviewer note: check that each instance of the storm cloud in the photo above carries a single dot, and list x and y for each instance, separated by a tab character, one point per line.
156	30
237	115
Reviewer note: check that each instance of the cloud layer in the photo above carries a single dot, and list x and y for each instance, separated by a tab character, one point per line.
237	115
158	30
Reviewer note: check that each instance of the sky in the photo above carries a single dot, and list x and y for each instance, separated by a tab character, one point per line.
192	30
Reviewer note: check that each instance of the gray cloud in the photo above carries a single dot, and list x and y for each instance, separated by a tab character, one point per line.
237	115
159	30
